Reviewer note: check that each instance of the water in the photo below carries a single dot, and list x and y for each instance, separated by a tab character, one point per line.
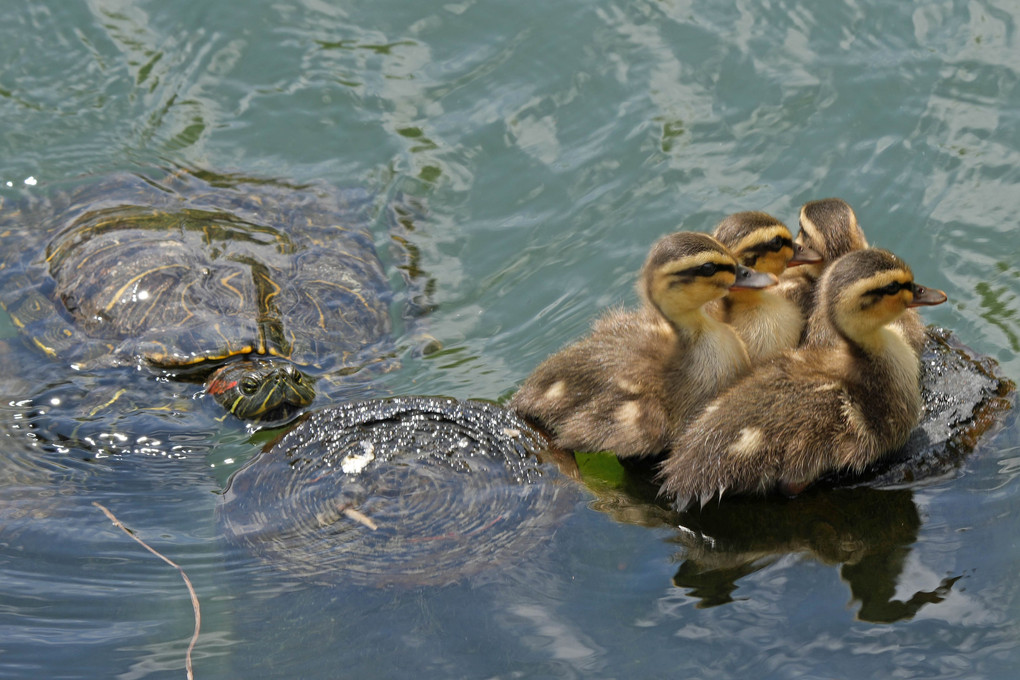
551	144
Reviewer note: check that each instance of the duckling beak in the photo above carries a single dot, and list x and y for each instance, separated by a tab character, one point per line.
748	278
804	255
924	297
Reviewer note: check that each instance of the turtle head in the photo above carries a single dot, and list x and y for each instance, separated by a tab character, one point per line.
259	389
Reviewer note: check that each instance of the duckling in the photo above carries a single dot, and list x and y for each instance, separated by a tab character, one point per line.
766	321
813	410
830	226
641	374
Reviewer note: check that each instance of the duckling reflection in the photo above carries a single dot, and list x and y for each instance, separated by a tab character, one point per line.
868	532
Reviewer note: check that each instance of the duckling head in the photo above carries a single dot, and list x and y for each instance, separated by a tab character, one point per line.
686	270
829	227
865	290
763	243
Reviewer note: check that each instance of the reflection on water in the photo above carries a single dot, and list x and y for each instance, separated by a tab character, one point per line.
999	304
867	532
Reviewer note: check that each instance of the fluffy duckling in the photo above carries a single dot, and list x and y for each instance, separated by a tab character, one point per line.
830	226
639	375
815	409
766	321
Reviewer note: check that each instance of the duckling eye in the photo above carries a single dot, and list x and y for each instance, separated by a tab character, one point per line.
777	243
707	269
249	386
893	288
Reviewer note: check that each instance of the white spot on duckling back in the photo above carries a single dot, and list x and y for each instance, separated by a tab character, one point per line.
855	421
629	413
556	391
748	443
628	386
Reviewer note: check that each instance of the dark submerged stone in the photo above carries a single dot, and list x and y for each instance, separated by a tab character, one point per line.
452	489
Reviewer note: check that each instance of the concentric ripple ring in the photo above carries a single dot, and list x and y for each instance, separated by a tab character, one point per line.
401	491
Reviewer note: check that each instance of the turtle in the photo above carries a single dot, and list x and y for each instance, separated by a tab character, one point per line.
257	288
402	491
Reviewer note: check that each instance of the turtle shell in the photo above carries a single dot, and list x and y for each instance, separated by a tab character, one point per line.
188	270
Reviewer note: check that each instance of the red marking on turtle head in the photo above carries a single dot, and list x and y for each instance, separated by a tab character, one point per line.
220	386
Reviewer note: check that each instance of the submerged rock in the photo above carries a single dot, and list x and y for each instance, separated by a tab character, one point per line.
964	398
404	491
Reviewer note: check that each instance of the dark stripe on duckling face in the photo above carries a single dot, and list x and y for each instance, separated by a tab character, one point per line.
749	256
756	240
919	295
867	289
873	266
773	245
892	288
684	271
705	270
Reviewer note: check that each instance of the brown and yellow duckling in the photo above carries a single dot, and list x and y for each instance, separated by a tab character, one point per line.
639	375
830	227
813	410
767	322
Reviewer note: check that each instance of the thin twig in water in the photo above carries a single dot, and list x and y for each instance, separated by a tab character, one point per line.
187	582
359	516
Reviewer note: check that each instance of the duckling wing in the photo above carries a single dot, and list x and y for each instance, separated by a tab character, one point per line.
785	425
605	392
911	326
798	286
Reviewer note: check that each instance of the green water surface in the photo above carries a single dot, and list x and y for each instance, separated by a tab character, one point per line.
550	143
